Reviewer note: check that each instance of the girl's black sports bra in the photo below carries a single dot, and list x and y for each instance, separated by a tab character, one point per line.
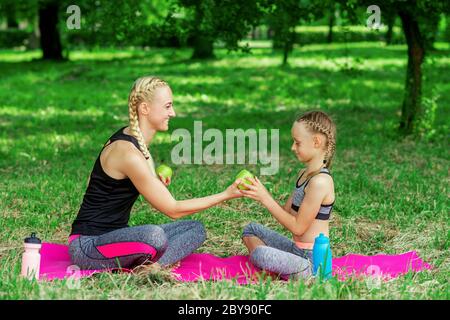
299	193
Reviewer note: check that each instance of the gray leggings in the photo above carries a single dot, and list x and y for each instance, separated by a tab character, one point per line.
280	254
133	246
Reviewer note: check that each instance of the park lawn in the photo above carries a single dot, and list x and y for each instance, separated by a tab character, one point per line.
392	193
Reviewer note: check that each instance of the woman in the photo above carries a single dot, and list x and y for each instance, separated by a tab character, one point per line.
100	236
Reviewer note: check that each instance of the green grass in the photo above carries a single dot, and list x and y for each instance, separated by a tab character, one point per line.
392	193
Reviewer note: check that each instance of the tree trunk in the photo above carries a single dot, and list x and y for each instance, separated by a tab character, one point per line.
285	53
411	108
269	33
203	44
277	39
11	20
288	46
330	26
254	33
390	25
203	47
48	27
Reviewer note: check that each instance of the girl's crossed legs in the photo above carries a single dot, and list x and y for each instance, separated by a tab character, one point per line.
277	253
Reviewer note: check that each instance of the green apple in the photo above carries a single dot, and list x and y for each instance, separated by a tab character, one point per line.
164	171
242	175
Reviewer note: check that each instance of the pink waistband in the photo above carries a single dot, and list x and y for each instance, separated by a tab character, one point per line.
304	245
73	237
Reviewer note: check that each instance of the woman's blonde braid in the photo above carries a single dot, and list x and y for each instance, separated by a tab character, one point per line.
143	90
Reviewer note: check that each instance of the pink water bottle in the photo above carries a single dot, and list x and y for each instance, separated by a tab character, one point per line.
31	258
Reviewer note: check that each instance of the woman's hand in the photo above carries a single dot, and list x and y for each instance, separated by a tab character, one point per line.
233	191
256	191
165	181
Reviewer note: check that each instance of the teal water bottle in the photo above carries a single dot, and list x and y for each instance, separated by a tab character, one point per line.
322	261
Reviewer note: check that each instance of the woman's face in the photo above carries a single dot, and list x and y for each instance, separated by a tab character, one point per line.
305	146
161	109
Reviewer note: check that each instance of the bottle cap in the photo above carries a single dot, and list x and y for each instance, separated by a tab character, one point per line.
321	239
33	239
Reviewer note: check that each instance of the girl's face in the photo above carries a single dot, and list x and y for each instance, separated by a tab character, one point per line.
306	145
161	109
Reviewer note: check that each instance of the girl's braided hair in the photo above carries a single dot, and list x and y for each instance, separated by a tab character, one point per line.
320	122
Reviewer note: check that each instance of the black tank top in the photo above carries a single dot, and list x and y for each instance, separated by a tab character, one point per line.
107	202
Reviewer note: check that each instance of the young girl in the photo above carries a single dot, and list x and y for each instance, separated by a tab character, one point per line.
307	211
101	237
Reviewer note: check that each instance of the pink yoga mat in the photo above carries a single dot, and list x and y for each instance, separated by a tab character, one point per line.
56	264
205	266
383	265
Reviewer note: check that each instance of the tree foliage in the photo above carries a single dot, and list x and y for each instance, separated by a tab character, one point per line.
285	15
202	22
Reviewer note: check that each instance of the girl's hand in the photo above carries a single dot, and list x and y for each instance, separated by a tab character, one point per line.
165	181
257	191
232	191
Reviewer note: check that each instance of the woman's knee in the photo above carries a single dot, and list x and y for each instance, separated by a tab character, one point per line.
251	230
155	237
198	229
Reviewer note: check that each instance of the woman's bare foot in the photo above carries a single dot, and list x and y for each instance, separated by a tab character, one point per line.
157	272
144	269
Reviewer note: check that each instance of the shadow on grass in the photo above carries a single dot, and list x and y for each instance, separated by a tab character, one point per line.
225	95
96	130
